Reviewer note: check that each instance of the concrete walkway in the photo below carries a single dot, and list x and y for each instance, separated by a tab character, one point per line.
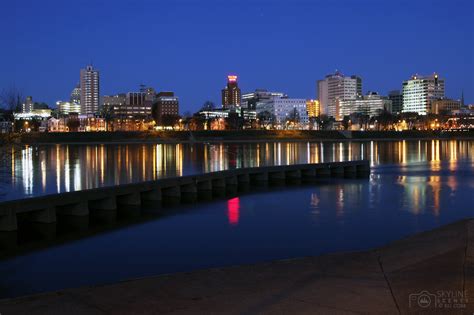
438	264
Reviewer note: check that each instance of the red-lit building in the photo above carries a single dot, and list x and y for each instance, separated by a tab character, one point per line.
231	94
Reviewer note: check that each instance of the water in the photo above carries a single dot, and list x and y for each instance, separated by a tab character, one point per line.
414	186
51	169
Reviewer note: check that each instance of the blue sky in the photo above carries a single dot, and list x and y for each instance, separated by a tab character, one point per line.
190	46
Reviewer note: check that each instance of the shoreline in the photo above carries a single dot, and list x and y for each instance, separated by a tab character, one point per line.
214	141
380	280
242	136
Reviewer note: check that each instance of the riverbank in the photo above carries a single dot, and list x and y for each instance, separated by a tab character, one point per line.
406	276
237	136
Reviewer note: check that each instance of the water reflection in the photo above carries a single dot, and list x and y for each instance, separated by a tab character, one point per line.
414	186
61	168
233	211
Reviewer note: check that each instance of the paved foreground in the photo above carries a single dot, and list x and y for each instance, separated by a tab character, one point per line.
432	272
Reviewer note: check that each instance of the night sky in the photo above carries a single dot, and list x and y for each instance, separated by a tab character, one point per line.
190	46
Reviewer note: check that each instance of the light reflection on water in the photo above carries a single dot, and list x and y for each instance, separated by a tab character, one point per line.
414	186
62	168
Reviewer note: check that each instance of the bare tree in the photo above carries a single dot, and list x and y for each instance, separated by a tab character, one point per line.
10	102
11	99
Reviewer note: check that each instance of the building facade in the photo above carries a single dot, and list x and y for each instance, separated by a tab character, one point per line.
336	87
89	89
285	109
371	105
444	106
420	91
397	101
312	107
76	95
66	108
231	94
250	100
28	105
137	105
166	104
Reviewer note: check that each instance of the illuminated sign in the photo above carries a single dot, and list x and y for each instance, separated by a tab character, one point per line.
232	78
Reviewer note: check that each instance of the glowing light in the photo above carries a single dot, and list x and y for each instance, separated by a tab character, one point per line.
232	78
233	211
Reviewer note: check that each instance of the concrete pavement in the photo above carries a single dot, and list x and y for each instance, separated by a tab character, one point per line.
429	273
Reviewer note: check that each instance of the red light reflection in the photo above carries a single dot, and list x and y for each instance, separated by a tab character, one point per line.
233	211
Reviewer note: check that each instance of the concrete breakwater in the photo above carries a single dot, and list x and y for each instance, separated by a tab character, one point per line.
106	201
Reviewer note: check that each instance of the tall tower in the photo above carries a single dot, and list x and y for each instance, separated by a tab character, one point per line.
76	95
334	88
231	94
89	90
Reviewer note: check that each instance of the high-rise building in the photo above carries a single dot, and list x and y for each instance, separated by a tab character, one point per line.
419	91
397	101
76	95
231	94
28	105
312	107
336	87
371	105
166	104
89	90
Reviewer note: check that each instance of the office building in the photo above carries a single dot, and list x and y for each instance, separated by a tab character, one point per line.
89	86
445	106
132	105
312	107
371	105
76	95
250	100
397	101
419	91
28	105
336	87
285	109
66	108
231	94
166	104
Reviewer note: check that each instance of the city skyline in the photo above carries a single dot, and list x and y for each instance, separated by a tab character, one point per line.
372	38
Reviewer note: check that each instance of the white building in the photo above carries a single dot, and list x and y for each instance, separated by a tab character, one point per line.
250	100
66	108
284	108
371	104
89	90
34	114
336	87
419	91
